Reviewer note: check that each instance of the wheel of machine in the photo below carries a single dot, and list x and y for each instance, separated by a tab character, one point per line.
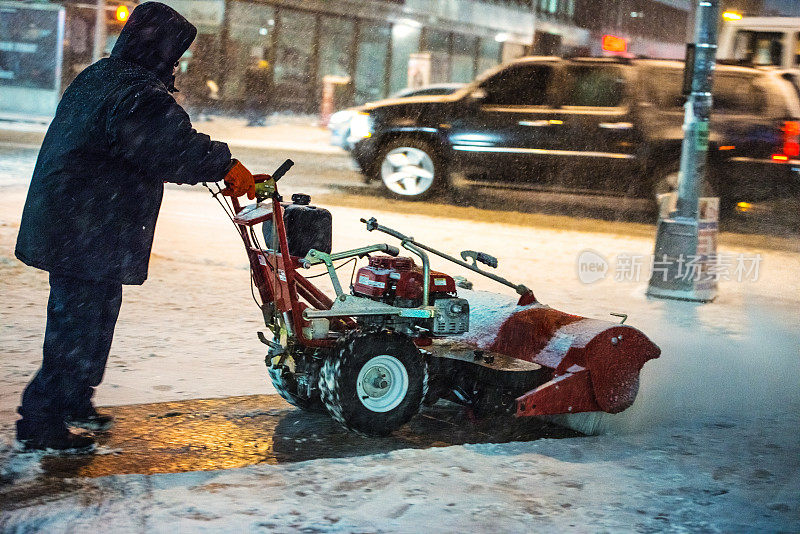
285	383
410	169
374	382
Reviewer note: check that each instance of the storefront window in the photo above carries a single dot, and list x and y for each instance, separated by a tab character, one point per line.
250	39
198	73
30	49
464	49
488	55
405	41
294	84
371	67
438	44
335	38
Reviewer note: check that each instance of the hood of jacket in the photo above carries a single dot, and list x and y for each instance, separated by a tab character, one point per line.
155	37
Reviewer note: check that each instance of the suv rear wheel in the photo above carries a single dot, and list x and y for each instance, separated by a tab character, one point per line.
410	169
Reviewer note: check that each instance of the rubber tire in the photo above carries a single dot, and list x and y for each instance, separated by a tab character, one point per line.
440	179
285	384
339	373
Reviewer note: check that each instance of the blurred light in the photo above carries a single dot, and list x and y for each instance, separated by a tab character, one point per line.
122	13
405	28
791	138
501	37
612	43
410	22
271	22
731	15
744	206
637	14
360	126
727	147
555	122
780	157
262	31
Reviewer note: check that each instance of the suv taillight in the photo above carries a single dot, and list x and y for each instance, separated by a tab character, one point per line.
791	139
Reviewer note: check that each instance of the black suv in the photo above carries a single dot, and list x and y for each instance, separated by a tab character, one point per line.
591	125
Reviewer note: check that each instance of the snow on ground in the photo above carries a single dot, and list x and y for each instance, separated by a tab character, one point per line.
712	477
711	444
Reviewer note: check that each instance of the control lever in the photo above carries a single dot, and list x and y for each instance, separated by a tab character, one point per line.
283	169
481	257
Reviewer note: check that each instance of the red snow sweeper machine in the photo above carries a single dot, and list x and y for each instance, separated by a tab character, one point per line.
402	335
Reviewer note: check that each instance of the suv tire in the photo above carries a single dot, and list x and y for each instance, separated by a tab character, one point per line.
410	169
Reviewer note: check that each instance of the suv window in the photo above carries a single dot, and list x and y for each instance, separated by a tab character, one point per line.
599	86
520	85
733	92
663	87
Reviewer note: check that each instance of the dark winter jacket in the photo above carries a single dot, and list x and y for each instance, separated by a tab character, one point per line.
117	135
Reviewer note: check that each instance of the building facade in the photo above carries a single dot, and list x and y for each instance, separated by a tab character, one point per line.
277	54
368	46
651	28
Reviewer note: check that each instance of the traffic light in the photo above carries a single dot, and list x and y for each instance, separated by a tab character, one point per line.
117	13
121	13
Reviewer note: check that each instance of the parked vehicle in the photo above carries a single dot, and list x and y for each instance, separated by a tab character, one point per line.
595	125
339	123
761	41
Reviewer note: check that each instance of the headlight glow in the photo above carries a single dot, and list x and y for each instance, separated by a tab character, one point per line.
360	126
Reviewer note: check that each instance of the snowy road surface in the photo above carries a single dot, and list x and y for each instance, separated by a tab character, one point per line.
711	444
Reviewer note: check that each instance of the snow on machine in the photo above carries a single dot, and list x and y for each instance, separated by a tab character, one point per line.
402	336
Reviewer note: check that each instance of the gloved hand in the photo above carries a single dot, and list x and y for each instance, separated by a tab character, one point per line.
239	181
265	186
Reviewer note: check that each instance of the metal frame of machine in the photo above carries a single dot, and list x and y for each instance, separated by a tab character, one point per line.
347	354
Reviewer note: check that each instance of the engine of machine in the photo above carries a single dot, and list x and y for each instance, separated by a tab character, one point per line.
398	282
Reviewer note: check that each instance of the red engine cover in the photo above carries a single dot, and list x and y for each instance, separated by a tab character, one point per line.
372	282
386	274
410	284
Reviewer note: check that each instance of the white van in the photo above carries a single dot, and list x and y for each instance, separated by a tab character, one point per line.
761	41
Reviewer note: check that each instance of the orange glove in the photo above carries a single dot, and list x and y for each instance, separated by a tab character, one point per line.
239	181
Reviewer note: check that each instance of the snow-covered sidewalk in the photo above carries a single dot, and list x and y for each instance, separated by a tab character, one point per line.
712	477
293	133
711	444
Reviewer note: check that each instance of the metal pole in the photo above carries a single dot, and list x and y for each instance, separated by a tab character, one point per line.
99	30
698	111
678	236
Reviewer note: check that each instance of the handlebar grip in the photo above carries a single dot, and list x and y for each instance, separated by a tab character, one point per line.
283	169
392	251
487	259
261	178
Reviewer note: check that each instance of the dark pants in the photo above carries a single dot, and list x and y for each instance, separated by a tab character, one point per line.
81	316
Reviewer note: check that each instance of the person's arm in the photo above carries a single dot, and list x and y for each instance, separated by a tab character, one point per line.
150	130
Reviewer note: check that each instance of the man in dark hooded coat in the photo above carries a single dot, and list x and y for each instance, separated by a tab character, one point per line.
91	210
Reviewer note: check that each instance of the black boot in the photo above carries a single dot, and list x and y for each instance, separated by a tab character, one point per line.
53	436
90	419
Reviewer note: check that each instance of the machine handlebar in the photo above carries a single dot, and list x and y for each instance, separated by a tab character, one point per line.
283	169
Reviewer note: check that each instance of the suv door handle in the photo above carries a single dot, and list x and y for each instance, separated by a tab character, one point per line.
539	124
616	125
